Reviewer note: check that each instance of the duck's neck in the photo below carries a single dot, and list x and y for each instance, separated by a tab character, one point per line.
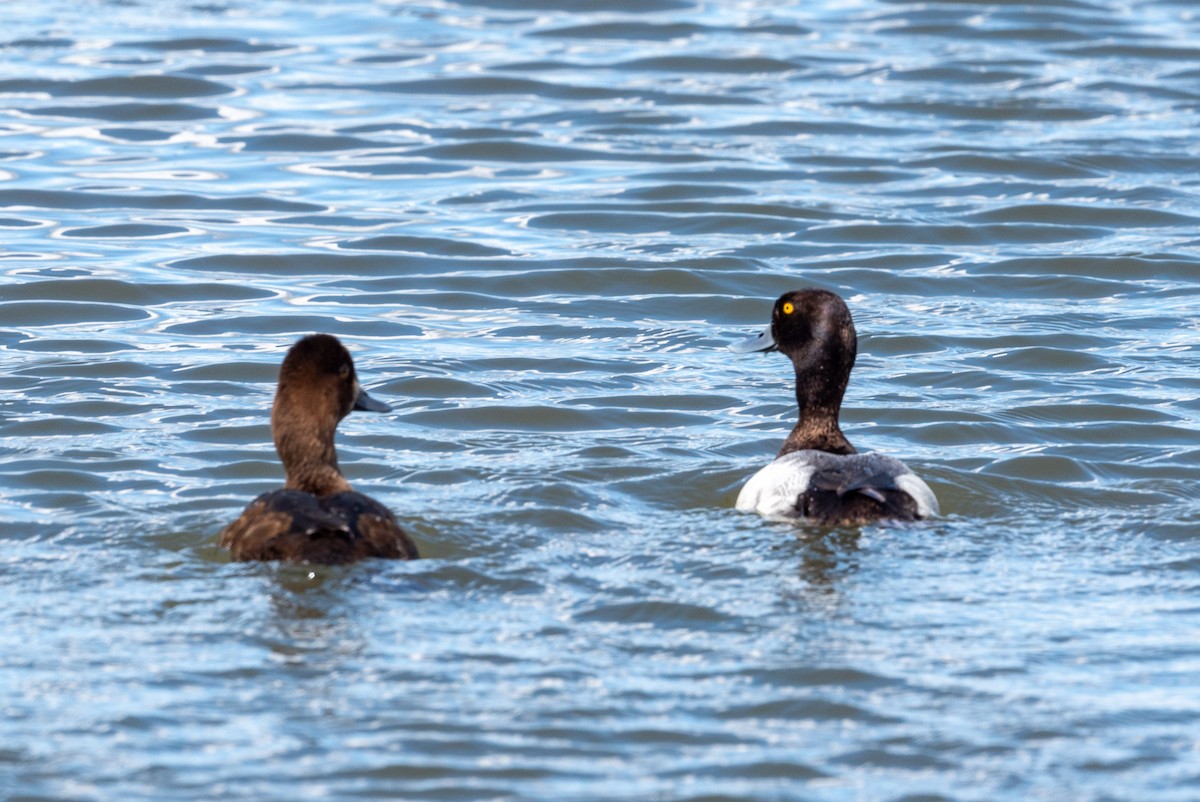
816	436
819	391
308	455
320	480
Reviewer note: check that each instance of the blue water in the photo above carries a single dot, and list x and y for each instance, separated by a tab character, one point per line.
536	225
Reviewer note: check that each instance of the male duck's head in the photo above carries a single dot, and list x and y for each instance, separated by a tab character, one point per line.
813	328
810	326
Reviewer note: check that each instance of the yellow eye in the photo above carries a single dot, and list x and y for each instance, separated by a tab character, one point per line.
788	308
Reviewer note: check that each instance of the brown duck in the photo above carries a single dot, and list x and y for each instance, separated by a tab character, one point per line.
316	517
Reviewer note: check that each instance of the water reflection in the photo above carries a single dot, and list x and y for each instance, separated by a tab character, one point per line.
828	559
310	619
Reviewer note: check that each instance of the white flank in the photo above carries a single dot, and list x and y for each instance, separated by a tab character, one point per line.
773	491
927	503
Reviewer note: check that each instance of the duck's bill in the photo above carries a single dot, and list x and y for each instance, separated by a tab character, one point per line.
368	404
763	342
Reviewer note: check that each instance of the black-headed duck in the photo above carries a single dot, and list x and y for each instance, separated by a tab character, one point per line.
817	474
316	517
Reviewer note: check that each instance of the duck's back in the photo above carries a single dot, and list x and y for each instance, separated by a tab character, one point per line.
837	489
296	526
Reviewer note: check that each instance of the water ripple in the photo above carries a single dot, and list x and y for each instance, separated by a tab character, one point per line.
536	227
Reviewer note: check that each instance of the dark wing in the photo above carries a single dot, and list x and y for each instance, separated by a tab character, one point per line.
300	527
271	526
841	495
375	529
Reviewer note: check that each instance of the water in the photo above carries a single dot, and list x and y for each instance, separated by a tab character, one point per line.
536	225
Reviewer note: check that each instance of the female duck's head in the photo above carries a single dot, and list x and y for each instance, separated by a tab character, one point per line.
317	388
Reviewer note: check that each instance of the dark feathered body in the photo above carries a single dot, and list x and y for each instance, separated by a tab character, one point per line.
296	526
846	491
317	517
831	508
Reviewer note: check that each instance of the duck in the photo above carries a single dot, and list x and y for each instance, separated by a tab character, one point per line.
316	517
818	475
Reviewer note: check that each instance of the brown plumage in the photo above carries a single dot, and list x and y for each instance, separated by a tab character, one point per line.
316	517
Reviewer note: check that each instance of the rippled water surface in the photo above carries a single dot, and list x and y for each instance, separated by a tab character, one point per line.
536	225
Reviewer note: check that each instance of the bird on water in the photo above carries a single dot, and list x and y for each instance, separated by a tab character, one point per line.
316	517
817	474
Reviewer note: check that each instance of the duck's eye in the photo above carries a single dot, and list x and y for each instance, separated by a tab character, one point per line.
344	372
788	308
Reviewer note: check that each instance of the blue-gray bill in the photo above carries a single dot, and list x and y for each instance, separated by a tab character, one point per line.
368	404
762	342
